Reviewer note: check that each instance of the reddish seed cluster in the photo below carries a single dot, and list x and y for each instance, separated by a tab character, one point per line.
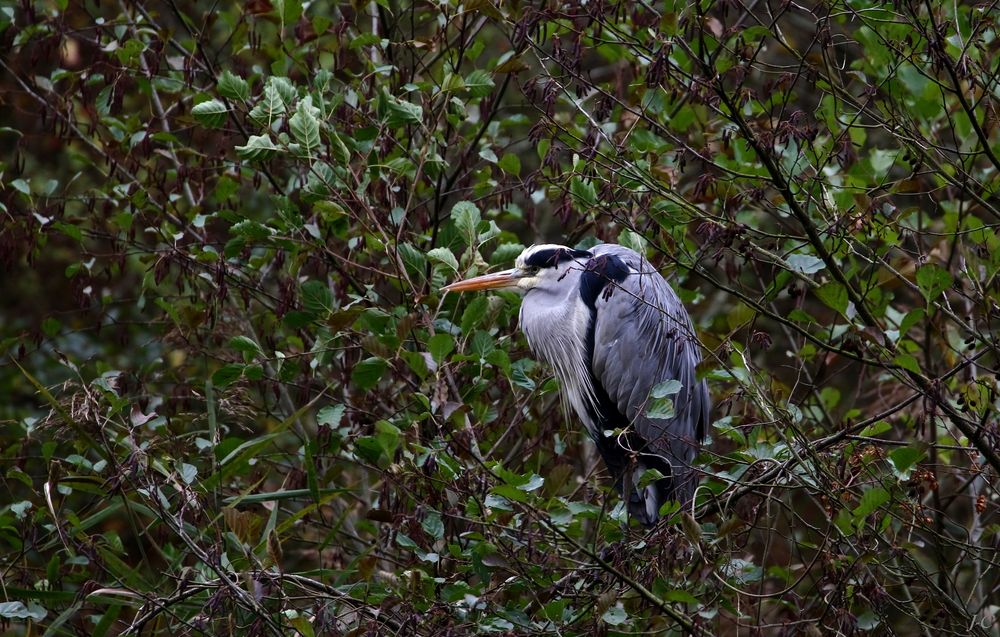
923	476
825	501
761	339
873	452
866	454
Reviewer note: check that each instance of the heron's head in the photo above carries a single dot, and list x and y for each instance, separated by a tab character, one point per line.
540	267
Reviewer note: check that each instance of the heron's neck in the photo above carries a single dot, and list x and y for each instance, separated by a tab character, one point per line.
556	326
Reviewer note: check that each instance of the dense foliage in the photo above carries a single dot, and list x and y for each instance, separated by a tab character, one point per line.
237	403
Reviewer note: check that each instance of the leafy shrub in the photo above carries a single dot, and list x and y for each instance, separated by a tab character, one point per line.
239	403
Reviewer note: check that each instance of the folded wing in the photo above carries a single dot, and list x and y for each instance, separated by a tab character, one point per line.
642	336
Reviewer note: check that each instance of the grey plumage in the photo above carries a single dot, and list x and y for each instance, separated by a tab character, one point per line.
643	337
612	329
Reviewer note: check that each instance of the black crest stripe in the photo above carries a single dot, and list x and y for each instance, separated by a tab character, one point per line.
551	257
598	272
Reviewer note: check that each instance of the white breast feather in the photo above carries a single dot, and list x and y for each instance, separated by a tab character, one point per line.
561	342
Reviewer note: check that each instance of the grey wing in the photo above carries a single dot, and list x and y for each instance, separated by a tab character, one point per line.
644	336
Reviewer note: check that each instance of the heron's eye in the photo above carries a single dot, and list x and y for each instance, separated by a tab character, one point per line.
530	270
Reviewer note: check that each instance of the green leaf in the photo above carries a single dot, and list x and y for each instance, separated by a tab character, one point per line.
932	280
494	501
316	297
903	459
908	362
500	359
387	435
660	403
834	295
679	595
17	610
534	482
271	104
432	525
615	616
365	39
669	508
662	408
225	187
466	216
70	230
405	541
339	150
830	397
479	83
912	317
128	53
456	592
876	428
648	477
368	372
227	375
246	345
845	522
509	62
319	183
440	345
20	509
400	113
284	88
805	263
369	449
871	499
510	164
800	316
212	113
492	232
288	11
519	374
233	87
188	472
868	620
444	255
482	344
506	253
304	125
739	314
474	313
633	241
21	186
666	388
583	192
413	259
330	415
754	33
51	326
416	362
251	230
882	160
510	493
257	148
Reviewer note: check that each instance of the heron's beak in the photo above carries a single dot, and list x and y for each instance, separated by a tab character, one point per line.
505	279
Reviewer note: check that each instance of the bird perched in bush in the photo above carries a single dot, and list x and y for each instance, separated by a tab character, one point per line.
625	352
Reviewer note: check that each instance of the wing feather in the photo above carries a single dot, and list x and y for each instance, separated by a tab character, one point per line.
644	336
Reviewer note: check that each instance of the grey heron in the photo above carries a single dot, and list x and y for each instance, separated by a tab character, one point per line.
613	330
